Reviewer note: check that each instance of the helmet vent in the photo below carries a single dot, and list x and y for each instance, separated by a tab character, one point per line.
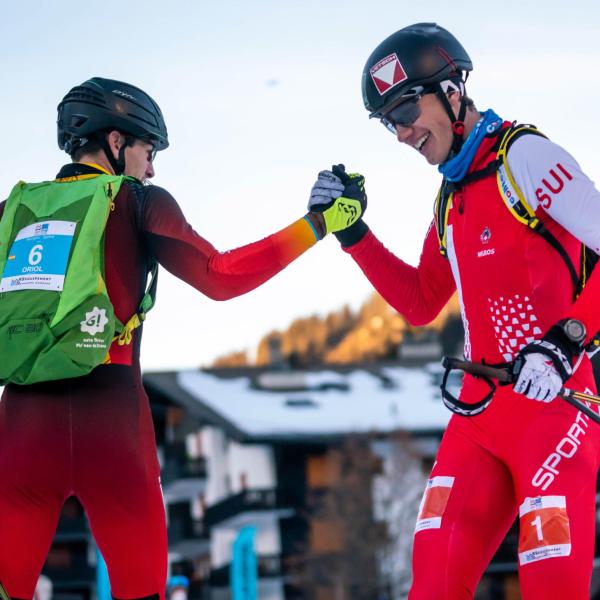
78	121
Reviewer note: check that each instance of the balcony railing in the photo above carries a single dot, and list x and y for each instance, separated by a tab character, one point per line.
181	529
183	469
246	501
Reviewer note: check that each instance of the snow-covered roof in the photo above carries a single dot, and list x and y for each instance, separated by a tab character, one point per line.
322	403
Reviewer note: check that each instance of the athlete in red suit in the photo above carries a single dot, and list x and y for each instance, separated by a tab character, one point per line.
518	458
92	436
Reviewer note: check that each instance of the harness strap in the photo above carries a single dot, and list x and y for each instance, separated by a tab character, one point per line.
443	201
512	197
521	209
125	337
537	226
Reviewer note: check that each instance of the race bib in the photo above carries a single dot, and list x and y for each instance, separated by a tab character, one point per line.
544	529
434	503
37	259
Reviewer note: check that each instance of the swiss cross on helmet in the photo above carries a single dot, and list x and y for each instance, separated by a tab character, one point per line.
417	56
100	104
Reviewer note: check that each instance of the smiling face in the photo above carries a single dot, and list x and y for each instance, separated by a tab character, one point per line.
431	133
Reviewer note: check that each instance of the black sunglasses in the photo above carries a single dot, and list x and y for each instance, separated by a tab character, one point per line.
406	112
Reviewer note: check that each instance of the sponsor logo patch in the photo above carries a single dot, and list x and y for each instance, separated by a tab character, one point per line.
487	252
493	126
124	94
388	73
95	321
566	448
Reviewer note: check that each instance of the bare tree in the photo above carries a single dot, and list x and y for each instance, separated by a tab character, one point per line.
361	521
397	495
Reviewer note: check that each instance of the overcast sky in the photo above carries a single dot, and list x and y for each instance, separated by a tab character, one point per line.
258	97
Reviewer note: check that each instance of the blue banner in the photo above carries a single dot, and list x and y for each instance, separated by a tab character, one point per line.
244	566
102	582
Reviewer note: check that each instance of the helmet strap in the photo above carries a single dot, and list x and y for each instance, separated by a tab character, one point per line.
117	164
458	123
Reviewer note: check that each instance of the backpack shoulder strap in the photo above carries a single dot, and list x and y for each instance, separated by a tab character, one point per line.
517	203
445	194
509	190
125	335
443	202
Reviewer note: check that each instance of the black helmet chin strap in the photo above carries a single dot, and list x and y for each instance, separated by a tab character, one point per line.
118	164
458	123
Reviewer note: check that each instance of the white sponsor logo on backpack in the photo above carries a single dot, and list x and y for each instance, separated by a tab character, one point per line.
95	321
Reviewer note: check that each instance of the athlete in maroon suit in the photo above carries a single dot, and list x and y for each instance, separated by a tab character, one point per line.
92	437
534	460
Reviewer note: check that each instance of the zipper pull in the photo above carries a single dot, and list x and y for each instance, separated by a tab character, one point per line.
109	193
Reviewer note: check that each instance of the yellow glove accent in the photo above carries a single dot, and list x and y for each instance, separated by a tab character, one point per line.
341	214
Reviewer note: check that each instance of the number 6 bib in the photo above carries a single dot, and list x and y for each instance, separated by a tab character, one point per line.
38	257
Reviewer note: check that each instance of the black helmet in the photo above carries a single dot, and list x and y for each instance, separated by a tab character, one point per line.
100	104
418	55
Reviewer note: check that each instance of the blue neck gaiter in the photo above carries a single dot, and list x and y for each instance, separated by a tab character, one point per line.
456	168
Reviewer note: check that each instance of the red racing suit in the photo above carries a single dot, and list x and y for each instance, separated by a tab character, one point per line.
93	436
519	457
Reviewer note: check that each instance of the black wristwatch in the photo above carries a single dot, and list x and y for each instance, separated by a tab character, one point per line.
574	330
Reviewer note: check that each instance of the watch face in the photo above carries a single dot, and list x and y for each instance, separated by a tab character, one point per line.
575	330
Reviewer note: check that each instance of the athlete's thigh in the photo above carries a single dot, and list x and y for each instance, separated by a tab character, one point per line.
130	530
33	482
467	509
555	470
118	483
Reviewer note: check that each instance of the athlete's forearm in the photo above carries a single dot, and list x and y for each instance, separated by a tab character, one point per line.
219	275
238	271
417	293
225	275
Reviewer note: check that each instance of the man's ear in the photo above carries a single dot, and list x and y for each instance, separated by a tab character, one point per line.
115	141
454	99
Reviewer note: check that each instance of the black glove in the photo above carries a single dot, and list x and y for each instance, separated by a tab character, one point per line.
354	188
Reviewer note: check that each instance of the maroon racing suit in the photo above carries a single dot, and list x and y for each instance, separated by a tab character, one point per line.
92	437
518	458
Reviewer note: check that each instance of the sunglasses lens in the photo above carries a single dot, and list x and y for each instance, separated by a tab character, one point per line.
406	113
388	125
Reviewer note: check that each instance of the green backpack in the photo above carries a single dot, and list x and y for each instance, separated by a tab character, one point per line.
56	319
